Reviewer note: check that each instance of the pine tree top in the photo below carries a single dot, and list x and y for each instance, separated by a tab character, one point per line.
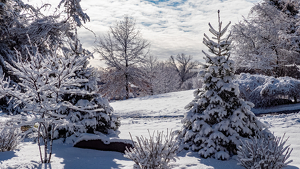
218	46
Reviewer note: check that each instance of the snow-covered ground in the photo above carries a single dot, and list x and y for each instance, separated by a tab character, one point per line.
160	112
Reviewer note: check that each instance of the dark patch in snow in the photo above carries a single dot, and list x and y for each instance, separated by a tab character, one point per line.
117	146
138	116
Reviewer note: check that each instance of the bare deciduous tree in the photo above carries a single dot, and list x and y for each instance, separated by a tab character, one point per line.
161	76
150	68
124	50
184	65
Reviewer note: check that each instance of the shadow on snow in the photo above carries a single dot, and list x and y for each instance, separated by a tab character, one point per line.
74	157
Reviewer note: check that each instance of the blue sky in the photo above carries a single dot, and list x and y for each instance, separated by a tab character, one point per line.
171	26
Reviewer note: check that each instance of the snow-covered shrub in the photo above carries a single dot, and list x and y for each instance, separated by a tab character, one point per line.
248	83
23	25
282	86
9	138
266	152
217	118
187	85
266	91
155	152
46	79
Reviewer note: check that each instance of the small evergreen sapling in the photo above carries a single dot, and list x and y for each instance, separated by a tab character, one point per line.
217	118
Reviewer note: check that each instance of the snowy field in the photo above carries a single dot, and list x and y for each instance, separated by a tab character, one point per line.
139	115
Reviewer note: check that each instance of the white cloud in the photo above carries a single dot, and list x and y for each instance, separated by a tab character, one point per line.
172	26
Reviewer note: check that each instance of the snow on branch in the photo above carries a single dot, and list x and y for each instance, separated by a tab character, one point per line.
265	91
267	152
74	10
155	152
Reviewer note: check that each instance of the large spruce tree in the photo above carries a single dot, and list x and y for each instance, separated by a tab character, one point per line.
217	118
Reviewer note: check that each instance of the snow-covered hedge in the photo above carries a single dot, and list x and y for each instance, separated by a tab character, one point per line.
155	152
267	152
266	91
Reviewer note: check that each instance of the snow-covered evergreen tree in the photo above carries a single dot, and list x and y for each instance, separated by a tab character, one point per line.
96	115
217	118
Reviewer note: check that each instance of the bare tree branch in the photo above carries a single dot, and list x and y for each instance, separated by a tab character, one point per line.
124	50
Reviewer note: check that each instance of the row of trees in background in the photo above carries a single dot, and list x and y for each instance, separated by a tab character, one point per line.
156	77
266	42
151	78
132	72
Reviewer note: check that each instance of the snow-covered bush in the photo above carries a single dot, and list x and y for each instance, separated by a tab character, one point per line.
282	86
23	25
217	118
266	152
46	80
248	83
9	137
155	152
197	83
266	91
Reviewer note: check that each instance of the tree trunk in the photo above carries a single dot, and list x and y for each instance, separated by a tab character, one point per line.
45	145
127	86
39	143
51	141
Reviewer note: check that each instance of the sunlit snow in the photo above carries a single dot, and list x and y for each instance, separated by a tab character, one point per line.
160	112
